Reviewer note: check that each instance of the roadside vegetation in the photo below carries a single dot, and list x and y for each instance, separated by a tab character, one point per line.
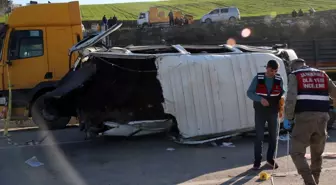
197	8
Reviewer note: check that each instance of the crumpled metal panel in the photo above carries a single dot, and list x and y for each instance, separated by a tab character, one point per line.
207	93
137	128
72	80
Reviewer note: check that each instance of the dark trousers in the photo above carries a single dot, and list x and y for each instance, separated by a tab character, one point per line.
261	117
310	129
171	22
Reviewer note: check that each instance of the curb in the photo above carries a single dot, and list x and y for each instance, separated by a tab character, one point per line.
18	124
27	123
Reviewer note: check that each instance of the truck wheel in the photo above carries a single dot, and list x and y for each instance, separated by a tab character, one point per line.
46	122
232	19
208	21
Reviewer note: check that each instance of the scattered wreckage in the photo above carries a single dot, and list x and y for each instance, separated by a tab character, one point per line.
196	93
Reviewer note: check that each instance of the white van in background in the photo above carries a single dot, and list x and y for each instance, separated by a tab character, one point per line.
221	14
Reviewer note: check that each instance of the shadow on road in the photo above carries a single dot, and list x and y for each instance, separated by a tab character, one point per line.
241	178
141	160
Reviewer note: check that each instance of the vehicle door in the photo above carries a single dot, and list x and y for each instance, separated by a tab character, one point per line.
214	15
224	14
27	56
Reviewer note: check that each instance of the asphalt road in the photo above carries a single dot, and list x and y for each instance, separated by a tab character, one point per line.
70	160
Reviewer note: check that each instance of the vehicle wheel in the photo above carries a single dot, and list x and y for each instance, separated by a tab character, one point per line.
145	25
39	118
208	21
232	19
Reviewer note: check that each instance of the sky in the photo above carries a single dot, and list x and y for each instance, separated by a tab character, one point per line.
82	2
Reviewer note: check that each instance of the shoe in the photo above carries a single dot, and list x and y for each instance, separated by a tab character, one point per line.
256	166
316	177
272	164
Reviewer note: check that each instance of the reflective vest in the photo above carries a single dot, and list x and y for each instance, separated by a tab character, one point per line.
273	97
313	92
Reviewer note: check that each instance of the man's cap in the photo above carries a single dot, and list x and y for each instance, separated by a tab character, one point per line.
272	64
298	60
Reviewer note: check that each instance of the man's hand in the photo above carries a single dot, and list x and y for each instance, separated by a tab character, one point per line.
264	102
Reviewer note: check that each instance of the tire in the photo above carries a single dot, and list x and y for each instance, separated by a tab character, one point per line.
208	21
232	19
145	25
43	123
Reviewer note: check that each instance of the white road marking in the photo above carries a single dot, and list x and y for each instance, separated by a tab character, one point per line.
19	128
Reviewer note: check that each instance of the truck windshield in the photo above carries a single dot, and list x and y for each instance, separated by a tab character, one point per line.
142	16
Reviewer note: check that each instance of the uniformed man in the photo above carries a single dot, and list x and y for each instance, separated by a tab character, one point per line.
308	102
266	90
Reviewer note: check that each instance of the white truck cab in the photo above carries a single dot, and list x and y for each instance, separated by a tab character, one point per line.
143	19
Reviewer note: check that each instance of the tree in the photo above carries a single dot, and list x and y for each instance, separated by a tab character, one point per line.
5	6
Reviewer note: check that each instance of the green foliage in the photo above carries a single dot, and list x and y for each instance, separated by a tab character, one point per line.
197	8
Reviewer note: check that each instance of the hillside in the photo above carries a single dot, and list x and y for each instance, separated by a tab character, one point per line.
197	8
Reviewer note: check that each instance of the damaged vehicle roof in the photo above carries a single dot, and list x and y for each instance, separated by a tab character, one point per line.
178	48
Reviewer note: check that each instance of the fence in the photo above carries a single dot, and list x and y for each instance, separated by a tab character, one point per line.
320	53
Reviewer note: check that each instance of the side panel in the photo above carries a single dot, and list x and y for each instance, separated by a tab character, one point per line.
60	39
207	94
